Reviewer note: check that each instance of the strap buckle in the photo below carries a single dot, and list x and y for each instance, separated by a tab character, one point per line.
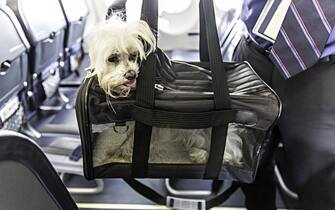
185	204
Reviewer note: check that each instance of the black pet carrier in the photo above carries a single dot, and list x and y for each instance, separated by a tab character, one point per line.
198	120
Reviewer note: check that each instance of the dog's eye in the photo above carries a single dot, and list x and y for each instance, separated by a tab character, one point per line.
133	56
113	59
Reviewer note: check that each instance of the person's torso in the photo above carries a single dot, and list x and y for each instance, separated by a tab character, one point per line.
251	10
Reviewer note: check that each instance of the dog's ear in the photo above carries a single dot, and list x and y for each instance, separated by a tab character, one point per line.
146	36
90	70
95	41
92	55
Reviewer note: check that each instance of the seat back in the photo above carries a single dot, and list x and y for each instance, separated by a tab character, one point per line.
75	12
44	25
13	64
27	179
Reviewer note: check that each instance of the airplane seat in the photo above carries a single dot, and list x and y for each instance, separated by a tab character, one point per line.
13	70
75	12
39	69
14	87
27	179
44	25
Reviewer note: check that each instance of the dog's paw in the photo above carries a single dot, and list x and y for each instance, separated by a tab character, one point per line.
123	154
198	155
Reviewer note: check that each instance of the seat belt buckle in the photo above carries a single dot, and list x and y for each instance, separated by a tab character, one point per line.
185	203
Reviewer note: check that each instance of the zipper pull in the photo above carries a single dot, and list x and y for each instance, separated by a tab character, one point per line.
159	87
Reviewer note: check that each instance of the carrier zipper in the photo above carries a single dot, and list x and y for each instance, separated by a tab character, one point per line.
159	87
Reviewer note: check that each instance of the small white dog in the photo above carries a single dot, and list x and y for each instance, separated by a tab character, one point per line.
116	53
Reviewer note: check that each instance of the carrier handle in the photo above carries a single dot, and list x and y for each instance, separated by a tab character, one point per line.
149	13
209	48
210	51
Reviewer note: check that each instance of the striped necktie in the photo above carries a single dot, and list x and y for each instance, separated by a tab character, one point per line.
303	35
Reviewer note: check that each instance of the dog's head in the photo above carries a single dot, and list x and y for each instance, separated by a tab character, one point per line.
116	53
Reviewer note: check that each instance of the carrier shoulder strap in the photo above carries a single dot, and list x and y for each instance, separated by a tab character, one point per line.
210	51
145	96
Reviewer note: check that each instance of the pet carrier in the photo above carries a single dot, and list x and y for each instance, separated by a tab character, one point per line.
196	120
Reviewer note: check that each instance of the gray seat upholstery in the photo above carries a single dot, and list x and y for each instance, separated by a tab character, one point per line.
15	80
44	26
75	12
13	69
27	179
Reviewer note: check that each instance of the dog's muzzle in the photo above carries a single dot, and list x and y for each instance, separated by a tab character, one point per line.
130	75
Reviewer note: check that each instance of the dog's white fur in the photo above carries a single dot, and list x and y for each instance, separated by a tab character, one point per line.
126	43
116	53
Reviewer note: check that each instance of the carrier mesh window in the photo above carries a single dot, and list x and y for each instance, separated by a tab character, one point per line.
114	144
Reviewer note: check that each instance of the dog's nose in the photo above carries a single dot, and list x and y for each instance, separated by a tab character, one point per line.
130	75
